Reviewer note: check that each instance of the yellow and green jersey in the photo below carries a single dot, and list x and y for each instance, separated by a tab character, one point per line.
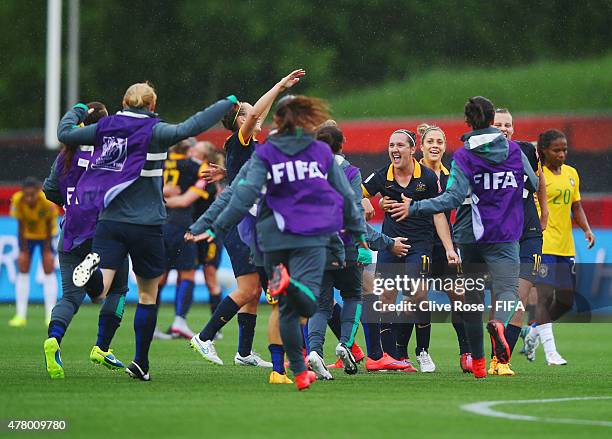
561	192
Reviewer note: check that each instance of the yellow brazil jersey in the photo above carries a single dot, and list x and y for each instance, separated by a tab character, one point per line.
35	220
561	192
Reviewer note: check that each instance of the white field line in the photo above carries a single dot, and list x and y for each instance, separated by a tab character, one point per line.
485	408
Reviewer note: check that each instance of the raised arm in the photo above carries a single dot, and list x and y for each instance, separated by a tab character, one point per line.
51	187
68	130
256	115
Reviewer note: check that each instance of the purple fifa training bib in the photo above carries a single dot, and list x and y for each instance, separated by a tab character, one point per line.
497	190
120	152
303	201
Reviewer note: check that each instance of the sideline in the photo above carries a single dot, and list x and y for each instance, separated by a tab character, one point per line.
485	408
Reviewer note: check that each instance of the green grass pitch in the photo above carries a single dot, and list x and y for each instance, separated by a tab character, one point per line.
191	398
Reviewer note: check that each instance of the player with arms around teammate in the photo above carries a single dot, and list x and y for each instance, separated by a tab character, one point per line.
557	272
125	184
306	199
37	225
403	179
489	170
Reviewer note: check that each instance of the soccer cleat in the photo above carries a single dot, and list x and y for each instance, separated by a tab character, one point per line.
160	335
279	282
524	331
318	366
555	359
532	340
426	364
107	359
53	359
500	346
206	349
386	362
409	367
82	272
179	328
493	366
136	372
279	378
253	359
465	361
337	365
18	322
357	352
503	370
304	379
479	367
348	360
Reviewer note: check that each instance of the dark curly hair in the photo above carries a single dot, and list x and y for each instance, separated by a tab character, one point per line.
479	112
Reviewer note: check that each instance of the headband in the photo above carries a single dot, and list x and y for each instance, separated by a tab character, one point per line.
237	113
408	133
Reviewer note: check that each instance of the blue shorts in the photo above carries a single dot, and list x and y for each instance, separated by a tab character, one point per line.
531	258
415	264
114	240
239	253
558	271
31	245
209	253
180	254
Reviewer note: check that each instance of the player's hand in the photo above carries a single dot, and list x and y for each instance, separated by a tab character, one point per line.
213	173
399	211
590	238
291	79
385	203
368	209
171	190
400	248
452	257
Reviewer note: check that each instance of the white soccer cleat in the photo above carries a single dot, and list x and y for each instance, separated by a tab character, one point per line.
532	341
317	365
426	364
253	359
180	328
206	349
82	272
160	335
555	359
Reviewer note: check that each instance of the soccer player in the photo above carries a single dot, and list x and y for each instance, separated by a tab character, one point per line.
433	146
556	295
530	242
125	185
492	168
37	225
75	244
209	254
181	176
244	121
301	209
405	178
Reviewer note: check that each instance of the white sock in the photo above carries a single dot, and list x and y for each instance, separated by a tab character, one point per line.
22	291
49	293
547	338
179	321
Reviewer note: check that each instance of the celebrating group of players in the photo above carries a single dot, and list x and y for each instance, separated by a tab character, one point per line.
292	216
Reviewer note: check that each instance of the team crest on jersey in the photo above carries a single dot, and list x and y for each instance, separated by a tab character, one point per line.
543	271
420	187
114	154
